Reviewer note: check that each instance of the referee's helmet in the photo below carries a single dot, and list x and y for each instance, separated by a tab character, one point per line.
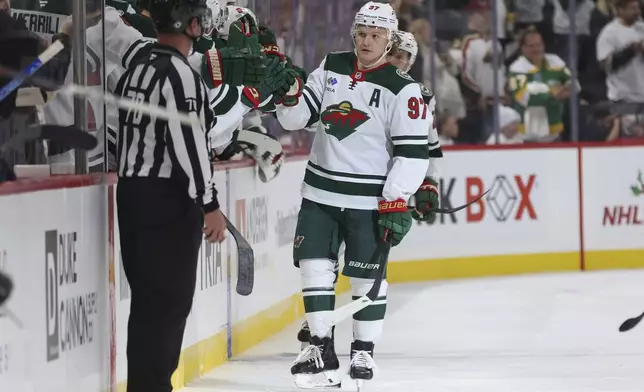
174	16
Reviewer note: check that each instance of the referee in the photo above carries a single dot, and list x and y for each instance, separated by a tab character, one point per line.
165	193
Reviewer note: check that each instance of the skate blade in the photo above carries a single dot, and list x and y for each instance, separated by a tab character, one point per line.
360	384
322	380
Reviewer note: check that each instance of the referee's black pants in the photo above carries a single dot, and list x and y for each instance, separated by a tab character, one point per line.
160	232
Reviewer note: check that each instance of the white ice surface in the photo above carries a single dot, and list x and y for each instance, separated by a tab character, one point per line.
554	332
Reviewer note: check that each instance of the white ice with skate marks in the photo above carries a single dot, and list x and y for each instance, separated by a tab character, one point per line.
545	333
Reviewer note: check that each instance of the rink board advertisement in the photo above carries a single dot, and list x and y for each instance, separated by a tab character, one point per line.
54	245
613	205
530	208
266	214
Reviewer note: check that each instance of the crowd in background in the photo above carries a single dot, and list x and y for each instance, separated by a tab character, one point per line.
456	60
457	45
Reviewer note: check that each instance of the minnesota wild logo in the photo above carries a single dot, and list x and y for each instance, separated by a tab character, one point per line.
342	120
638	189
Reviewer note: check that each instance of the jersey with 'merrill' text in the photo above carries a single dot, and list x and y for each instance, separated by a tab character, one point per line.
371	141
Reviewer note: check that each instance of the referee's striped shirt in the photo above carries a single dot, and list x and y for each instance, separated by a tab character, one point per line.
152	147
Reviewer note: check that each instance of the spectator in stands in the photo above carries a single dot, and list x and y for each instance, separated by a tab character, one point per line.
448	93
477	72
562	30
591	75
408	10
539	83
509	122
447	128
620	51
632	126
530	13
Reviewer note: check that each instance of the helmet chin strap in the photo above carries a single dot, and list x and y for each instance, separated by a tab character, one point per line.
373	64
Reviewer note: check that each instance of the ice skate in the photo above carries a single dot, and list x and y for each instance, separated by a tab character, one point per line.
362	365
317	365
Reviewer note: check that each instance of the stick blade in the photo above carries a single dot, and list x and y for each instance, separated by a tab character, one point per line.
245	261
245	270
456	209
630	324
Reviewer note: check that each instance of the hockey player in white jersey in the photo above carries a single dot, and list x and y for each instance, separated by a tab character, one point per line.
427	195
369	156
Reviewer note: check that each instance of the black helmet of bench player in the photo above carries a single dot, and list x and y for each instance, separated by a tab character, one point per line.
175	16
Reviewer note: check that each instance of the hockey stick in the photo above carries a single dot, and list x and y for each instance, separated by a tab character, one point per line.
31	69
455	209
165	113
629	324
245	261
380	257
69	136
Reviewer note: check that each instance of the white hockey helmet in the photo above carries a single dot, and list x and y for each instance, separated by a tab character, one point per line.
213	17
407	43
230	15
375	14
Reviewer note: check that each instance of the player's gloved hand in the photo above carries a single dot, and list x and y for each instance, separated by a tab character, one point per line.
278	79
427	197
289	95
395	217
235	67
301	72
240	62
268	41
264	149
244	34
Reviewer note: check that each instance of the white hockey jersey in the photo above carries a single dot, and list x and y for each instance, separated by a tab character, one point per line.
372	139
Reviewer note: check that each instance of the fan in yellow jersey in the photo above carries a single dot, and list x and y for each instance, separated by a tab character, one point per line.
369	156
